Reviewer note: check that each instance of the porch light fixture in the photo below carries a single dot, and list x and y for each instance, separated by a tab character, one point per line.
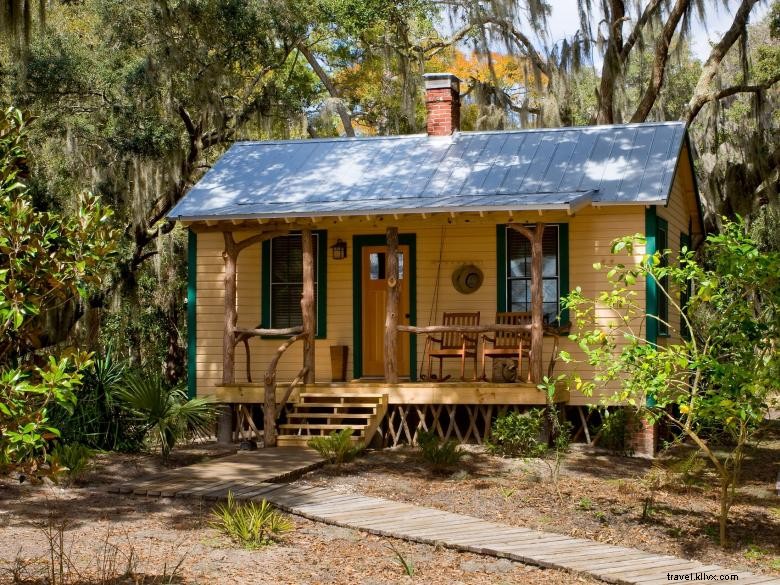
339	250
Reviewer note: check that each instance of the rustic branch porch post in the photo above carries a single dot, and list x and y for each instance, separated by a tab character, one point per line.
392	304
229	256
308	306
229	337
534	236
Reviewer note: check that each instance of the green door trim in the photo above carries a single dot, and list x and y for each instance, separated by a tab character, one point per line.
192	299
358	242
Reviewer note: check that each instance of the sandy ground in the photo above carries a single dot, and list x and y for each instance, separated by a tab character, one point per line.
603	498
104	534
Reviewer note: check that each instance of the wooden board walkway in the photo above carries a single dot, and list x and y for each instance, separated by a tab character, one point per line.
242	469
240	474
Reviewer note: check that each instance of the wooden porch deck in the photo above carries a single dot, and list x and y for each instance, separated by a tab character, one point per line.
449	392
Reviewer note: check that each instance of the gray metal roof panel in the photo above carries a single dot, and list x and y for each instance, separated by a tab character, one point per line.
613	164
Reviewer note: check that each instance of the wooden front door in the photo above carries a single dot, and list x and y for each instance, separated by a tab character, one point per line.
373	284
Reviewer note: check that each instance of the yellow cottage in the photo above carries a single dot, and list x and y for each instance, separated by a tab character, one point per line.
392	284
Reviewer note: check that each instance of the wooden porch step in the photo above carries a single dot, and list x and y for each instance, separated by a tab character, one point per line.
303	440
342	396
371	405
361	415
321	427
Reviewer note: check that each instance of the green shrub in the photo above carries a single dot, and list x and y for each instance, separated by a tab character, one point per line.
517	434
99	420
337	447
164	412
72	460
441	455
615	430
250	524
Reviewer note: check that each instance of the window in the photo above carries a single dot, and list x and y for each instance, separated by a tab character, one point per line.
661	244
518	271
283	281
377	265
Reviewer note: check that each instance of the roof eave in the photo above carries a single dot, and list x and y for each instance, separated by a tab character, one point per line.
570	207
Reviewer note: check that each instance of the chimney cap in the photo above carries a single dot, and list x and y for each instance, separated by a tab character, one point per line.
441	80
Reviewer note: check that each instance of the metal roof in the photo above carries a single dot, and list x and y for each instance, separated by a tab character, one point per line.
562	168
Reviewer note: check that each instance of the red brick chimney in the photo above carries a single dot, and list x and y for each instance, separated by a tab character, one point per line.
442	100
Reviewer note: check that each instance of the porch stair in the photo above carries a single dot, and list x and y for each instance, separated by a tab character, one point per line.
318	414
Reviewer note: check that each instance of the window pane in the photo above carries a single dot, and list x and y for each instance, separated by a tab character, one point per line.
286	259
550	290
376	266
400	265
286	305
550	265
520	293
519	271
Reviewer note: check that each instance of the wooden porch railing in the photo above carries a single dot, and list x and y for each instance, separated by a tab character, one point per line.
547	330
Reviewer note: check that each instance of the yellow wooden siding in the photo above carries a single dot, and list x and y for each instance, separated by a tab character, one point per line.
463	239
681	215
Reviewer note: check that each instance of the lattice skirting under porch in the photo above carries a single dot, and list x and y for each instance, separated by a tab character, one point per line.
467	423
248	421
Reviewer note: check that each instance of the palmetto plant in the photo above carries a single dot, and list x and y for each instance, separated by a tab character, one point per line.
165	412
251	524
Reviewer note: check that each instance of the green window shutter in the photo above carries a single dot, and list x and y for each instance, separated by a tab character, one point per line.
662	243
501	267
651	289
192	325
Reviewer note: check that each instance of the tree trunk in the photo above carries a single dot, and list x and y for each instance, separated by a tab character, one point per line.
231	314
611	70
346	119
225	425
535	235
392	304
724	511
659	62
537	304
269	411
718	52
308	306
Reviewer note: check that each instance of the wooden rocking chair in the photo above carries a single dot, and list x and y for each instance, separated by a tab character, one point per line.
507	344
454	345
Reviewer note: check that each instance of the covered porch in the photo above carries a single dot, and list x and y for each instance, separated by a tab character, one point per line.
399	403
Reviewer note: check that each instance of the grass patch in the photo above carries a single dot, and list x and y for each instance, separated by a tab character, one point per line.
250	524
337	447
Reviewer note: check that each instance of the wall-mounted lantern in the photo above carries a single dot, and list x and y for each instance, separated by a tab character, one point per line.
339	250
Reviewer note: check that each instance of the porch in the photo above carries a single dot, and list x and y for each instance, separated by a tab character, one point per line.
267	379
385	414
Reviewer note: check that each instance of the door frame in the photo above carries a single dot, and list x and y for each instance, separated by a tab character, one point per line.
358	242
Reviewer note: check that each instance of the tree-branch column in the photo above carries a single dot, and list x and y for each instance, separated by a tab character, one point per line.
534	236
307	305
392	304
